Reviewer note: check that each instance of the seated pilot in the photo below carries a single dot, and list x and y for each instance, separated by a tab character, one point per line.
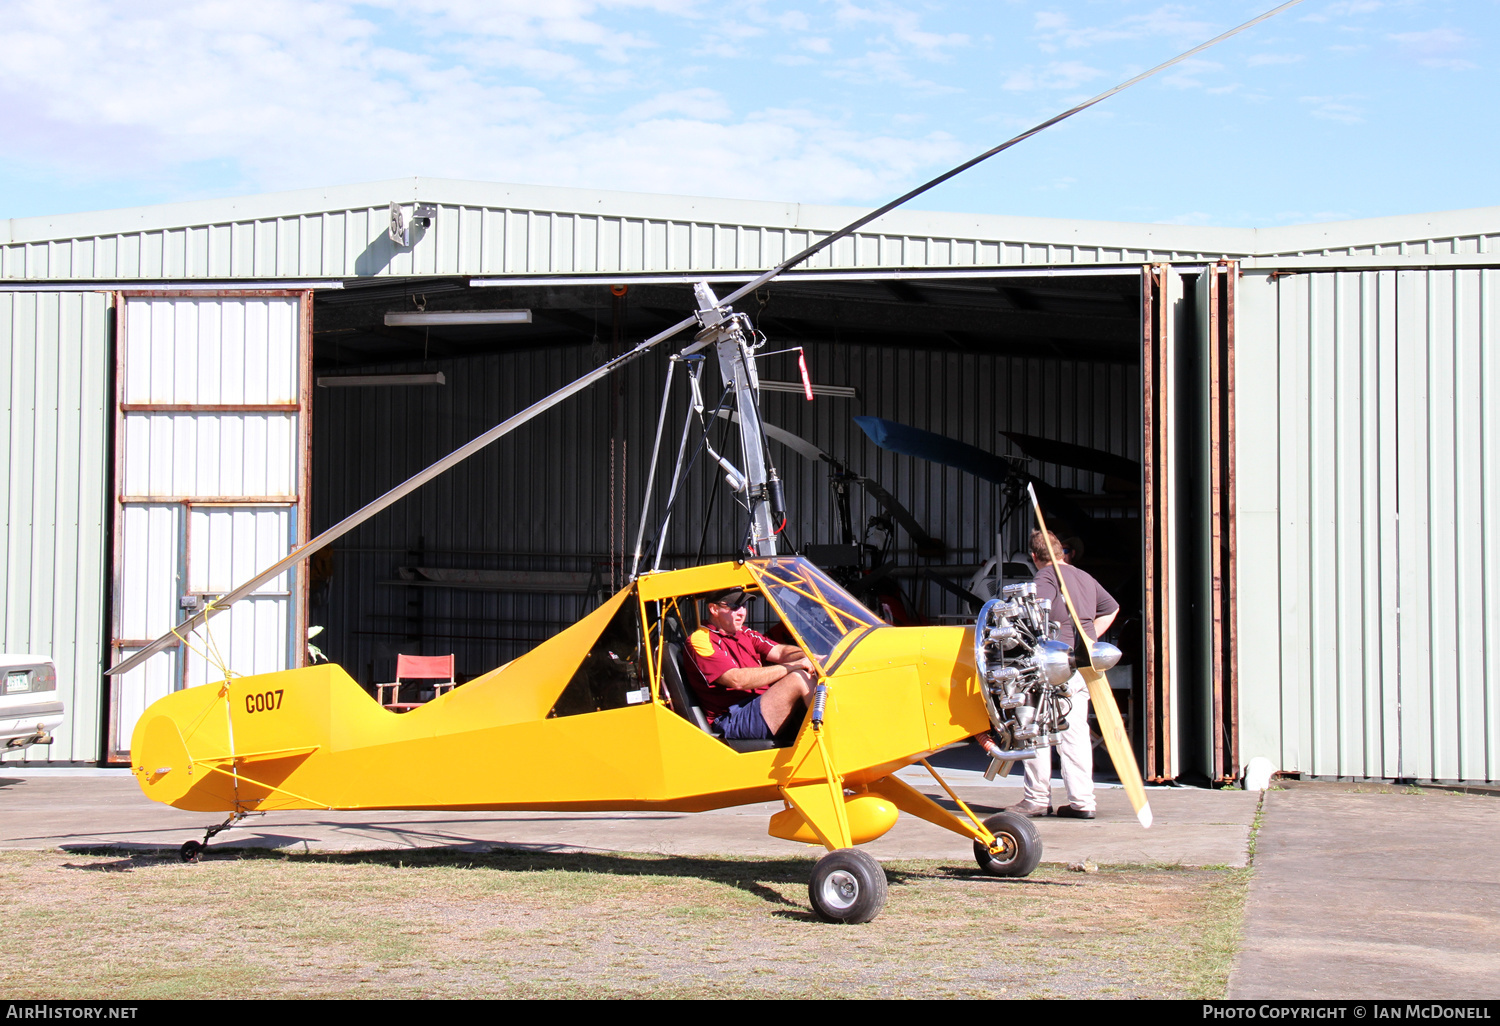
747	684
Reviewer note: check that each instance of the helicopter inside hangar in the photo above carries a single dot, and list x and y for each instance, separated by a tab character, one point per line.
527	536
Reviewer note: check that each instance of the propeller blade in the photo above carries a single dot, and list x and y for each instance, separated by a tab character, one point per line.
1111	725
1117	742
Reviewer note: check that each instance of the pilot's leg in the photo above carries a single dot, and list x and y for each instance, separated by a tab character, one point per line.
777	703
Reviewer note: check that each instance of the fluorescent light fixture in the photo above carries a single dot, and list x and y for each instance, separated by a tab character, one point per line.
352	380
841	391
449	317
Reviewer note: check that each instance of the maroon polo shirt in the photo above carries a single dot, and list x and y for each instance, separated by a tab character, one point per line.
710	652
1089	598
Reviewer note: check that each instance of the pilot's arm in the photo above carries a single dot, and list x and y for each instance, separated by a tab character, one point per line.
789	655
717	668
753	678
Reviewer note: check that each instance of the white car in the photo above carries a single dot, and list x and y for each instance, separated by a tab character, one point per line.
30	708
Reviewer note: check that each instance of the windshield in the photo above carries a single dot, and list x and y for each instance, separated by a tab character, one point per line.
820	613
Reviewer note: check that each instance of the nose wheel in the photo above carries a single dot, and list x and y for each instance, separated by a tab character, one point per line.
847	886
1018	846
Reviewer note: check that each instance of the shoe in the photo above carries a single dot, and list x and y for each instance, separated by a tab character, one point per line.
1032	809
1073	812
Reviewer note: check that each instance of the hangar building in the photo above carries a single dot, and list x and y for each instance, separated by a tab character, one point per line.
1280	443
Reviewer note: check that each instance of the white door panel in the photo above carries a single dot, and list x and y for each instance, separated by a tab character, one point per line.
211	440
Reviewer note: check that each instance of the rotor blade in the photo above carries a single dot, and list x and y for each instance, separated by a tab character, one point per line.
854	226
1082	457
910	441
1116	741
926	543
888	502
950	452
799	445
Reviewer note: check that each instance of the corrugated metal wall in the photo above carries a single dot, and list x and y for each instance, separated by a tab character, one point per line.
546	489
53	472
477	240
1388	522
1466	242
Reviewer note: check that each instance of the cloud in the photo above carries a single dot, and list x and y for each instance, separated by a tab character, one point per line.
900	27
1057	75
289	95
1436	48
877	66
1196	217
1168	21
702	104
1343	9
1335	108
1185	75
1257	60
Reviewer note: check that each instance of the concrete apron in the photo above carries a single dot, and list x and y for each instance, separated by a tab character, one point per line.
42	809
1367	892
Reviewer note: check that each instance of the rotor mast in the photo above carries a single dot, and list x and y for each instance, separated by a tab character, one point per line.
729	333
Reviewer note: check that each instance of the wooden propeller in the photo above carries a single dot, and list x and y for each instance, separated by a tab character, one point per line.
1111	725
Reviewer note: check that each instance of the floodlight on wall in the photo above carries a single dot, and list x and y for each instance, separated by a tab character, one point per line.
436	318
401	229
354	380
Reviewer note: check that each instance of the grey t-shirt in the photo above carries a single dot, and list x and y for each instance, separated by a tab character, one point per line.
1089	598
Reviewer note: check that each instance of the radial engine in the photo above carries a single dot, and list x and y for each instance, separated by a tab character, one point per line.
1024	672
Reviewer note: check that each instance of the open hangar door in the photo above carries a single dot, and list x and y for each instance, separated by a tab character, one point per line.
1042	370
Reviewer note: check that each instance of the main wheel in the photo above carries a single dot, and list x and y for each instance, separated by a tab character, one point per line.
1020	846
848	886
191	851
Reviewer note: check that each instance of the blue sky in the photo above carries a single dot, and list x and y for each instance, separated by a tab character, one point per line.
1335	109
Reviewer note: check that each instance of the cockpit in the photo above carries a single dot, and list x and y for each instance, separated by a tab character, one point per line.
638	655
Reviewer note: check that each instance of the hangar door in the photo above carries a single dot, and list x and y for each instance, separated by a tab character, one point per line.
211	464
1190	699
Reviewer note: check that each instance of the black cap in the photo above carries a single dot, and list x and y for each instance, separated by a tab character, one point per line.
731	597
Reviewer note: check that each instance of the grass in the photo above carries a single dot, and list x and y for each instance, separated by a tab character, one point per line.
515	923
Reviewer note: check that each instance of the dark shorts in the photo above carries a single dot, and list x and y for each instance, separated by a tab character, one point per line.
744	723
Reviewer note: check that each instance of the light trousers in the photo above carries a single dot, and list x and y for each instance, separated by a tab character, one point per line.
1076	753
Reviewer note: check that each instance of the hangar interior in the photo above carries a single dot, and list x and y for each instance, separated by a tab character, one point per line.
527	536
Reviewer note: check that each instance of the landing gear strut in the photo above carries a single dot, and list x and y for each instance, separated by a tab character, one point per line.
192	851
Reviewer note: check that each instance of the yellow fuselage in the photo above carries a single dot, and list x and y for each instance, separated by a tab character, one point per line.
314	739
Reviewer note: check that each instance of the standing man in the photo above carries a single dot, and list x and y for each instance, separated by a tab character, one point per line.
1097	610
747	684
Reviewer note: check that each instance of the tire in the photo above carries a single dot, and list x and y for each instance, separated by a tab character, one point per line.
191	851
1021	846
847	886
